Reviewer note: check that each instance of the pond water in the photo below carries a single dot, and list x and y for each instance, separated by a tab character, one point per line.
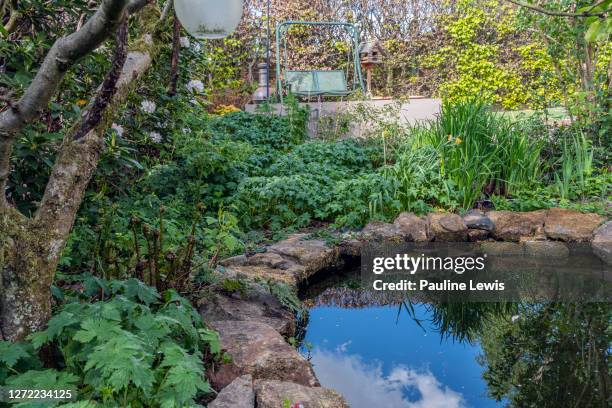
376	359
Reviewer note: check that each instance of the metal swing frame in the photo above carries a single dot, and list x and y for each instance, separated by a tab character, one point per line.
316	82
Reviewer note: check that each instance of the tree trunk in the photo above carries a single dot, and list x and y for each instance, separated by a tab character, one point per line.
30	248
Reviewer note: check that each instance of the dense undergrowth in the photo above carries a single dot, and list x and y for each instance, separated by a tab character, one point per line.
178	189
218	184
116	343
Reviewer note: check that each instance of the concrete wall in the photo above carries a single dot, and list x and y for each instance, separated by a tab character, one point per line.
412	111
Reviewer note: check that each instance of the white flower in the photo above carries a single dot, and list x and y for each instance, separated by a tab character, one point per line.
193	101
186	130
118	128
515	318
196	46
184	41
195	86
155	137
148	106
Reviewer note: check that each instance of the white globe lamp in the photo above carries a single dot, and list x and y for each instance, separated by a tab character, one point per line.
209	19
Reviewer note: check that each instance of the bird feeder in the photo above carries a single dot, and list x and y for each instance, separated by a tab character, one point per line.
209	19
370	54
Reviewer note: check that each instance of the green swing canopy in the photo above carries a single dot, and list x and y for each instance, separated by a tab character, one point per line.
316	82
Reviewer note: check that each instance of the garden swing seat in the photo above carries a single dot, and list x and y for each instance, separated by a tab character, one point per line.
317	83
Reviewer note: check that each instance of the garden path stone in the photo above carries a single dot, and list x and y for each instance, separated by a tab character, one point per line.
272	394
255	305
447	227
476	219
570	225
511	226
602	242
257	349
382	231
413	227
238	394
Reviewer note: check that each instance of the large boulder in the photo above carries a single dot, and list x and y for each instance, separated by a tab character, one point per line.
570	225
238	394
255	305
273	394
257	349
413	228
447	227
511	226
382	231
602	242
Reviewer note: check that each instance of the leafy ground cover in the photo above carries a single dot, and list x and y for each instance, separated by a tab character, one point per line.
117	343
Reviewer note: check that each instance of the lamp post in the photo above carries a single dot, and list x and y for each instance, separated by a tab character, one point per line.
209	19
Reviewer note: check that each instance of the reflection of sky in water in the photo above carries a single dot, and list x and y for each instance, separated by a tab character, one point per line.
374	362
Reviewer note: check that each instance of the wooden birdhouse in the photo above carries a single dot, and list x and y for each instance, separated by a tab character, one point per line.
370	53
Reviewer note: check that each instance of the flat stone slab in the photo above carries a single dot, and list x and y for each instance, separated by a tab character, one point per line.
259	350
511	226
289	261
273	394
570	225
255	306
602	242
414	228
447	227
312	254
238	394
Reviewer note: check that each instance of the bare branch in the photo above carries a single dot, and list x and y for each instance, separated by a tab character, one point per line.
542	10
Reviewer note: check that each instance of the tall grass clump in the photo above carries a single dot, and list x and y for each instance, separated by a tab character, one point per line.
480	151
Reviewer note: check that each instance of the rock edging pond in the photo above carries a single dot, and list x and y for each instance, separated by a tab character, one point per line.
266	370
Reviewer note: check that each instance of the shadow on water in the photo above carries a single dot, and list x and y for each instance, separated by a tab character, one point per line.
397	352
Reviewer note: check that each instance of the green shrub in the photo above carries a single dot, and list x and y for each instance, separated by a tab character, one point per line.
134	347
479	149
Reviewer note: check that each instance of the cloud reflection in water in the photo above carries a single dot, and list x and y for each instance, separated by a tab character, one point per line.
365	386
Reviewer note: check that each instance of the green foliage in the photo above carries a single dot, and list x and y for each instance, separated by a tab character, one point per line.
484	55
478	148
132	347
